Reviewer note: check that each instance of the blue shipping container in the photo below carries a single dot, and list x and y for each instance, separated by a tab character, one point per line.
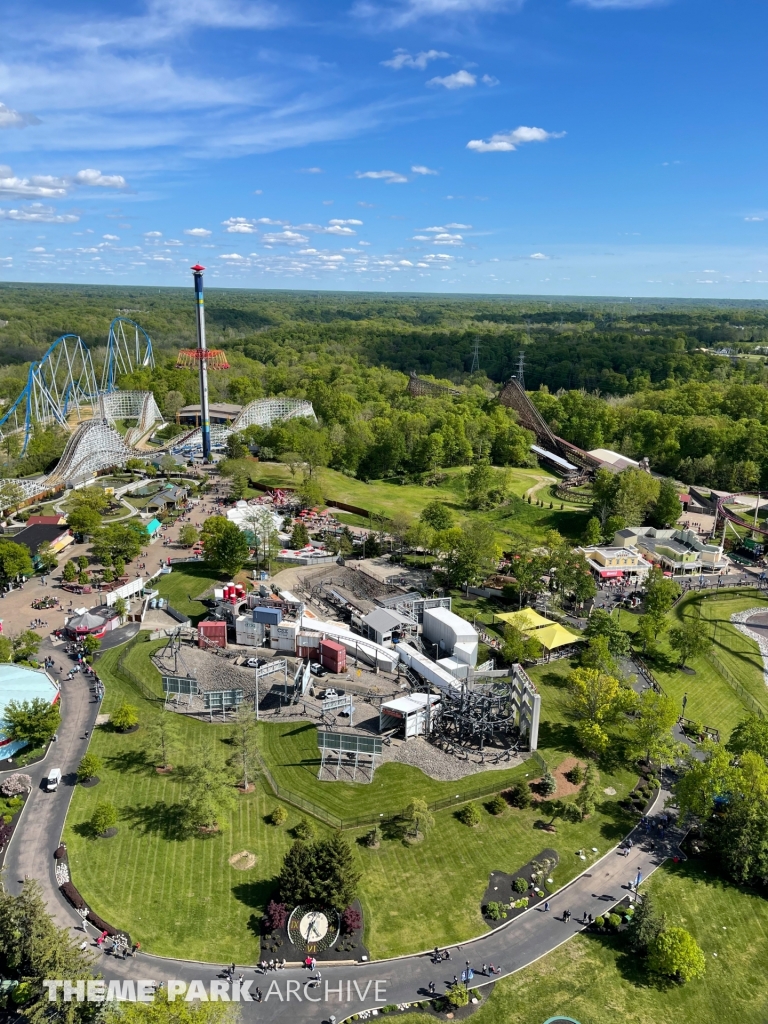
269	616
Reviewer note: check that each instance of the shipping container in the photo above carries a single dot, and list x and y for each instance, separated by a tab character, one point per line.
214	632
270	616
333	656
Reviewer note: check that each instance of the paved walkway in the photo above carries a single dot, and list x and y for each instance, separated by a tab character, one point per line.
344	990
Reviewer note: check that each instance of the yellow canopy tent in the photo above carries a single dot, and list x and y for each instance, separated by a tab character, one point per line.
555	636
526	619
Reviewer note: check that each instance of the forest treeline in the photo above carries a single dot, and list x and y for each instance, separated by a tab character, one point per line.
681	382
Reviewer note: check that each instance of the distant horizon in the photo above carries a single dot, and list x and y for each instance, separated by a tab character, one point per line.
564	299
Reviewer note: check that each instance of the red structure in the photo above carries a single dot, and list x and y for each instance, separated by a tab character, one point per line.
190	357
333	656
212	634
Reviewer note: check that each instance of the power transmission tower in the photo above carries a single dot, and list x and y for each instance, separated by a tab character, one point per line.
521	369
476	357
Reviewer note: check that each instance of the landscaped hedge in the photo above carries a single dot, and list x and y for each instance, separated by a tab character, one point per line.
72	895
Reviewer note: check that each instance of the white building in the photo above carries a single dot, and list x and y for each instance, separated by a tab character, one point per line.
450	635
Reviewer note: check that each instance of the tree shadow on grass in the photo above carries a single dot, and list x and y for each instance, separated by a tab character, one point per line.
84	829
559	736
619	822
166	820
130	762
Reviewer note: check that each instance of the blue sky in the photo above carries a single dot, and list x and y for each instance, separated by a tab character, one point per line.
581	147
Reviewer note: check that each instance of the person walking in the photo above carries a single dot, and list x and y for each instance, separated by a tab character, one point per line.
546	906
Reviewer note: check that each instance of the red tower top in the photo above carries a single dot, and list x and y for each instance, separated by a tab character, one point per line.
197	268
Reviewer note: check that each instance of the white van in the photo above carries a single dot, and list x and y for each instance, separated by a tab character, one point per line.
53	780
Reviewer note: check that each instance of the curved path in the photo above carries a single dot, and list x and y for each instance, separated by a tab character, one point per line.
345	989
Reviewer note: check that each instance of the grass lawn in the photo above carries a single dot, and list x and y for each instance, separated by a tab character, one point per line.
711	699
596	980
187	581
181	897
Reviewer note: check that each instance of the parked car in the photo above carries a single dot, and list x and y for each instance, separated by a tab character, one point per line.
317	670
256	662
53	780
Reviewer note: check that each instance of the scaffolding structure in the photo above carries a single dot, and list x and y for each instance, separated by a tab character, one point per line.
94	446
263	412
129	348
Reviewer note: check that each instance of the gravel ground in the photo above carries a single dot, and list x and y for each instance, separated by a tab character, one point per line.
437	763
213	671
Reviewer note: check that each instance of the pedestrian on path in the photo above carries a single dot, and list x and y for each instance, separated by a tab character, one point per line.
546	906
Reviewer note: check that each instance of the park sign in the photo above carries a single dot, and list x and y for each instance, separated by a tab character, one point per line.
180	684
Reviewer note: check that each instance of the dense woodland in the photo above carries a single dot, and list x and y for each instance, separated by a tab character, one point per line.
644	377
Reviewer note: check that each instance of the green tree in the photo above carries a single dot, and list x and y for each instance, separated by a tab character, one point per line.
656	715
160	741
562	809
299	536
239	486
15	560
593	534
690	640
31	721
750	734
519	647
589	794
646	924
207	792
457	995
438	515
674	953
236	448
187	536
168	465
313	447
225	545
660	592
419	819
703	782
82	562
121	607
469	814
25	645
119	567
69	573
244	740
6	649
83	578
597	654
47	559
104	817
124	717
320	872
601	623
648	628
161	1011
119	540
475	556
91	643
309	493
90	766
597	701
667	508
479	484
33	949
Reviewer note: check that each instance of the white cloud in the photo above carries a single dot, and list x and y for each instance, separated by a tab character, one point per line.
458	80
507	142
403	59
421	169
459	227
268	220
538	256
351	220
38	248
390	177
405	263
409	11
153	234
311	170
15	119
197	232
368	206
240	226
754	218
335	229
36	213
95	179
489	80
40	186
286	237
231	256
111	238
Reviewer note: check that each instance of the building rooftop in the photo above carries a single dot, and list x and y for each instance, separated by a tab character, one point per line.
215	409
33	537
381	620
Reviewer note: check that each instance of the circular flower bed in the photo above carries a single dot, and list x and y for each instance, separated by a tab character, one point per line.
313	929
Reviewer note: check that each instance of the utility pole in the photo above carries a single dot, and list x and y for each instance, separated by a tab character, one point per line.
521	369
476	357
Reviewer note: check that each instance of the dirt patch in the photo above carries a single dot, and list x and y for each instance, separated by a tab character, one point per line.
242	861
564	787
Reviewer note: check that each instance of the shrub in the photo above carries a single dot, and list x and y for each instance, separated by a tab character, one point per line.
279	816
519	795
548	784
600	922
676	954
15	784
72	895
104	817
576	775
521	903
59	852
89	767
101	924
469	815
125	717
373	839
276	915
497	805
457	995
495	911
520	885
351	921
614	920
304	830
